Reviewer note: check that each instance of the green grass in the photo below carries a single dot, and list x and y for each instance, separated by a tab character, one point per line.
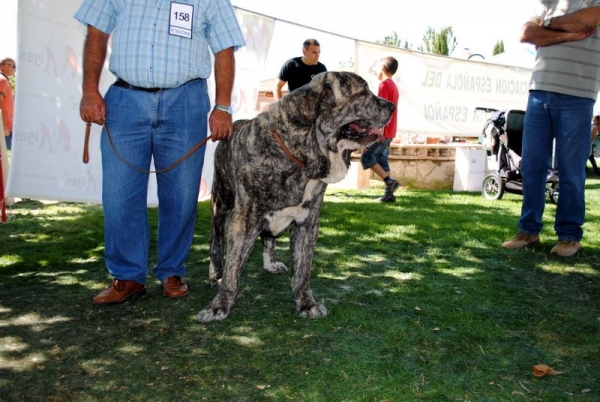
424	305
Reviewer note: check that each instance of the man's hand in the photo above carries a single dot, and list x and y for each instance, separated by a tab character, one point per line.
221	125
92	108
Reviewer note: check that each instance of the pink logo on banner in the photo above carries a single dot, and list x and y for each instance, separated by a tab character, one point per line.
59	64
56	136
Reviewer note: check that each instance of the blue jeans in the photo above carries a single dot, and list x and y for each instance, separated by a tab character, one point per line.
377	153
8	140
565	119
144	125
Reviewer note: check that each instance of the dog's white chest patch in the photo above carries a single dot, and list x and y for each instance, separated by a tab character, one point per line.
338	168
280	220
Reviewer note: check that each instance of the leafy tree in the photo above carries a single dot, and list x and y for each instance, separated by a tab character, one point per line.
498	48
394	40
440	42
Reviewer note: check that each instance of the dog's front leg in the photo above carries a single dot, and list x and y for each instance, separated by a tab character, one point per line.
240	239
303	239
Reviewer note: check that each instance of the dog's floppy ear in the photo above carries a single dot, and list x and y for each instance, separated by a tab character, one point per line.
329	118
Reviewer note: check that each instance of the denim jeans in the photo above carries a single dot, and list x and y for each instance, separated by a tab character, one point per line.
377	153
143	125
565	119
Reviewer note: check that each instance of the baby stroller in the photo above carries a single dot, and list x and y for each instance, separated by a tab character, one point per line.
503	138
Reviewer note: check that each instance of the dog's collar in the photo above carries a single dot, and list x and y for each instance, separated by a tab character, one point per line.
285	149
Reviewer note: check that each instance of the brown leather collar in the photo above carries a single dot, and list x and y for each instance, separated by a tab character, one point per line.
285	149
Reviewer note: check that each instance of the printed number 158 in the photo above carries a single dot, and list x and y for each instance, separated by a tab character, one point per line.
182	16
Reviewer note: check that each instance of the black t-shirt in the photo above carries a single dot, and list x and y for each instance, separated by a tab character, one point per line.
297	74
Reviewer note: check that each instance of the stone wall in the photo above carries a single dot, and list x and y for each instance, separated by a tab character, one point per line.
421	166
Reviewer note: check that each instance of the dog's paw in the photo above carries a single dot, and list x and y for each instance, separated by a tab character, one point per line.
212	314
214	283
276	268
315	311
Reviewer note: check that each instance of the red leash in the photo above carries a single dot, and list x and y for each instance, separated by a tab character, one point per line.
2	199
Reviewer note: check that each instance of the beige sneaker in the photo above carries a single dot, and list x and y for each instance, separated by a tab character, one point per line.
521	240
566	248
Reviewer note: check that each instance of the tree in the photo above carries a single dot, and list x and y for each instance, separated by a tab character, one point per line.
498	48
440	42
394	40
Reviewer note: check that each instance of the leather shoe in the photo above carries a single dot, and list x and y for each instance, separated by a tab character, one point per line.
119	291
521	240
174	287
566	248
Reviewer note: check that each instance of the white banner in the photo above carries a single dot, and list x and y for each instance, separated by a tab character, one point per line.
438	94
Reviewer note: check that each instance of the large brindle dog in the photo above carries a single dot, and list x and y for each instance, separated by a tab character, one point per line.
272	174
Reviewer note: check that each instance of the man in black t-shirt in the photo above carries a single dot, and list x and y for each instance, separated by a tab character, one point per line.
300	70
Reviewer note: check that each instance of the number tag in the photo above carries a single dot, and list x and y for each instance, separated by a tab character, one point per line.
182	16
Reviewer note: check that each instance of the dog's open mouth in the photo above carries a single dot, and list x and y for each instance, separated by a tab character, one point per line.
356	132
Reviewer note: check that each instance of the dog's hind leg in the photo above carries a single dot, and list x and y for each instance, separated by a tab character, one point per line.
270	262
240	239
217	249
221	205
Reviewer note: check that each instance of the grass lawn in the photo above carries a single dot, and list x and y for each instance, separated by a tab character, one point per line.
424	305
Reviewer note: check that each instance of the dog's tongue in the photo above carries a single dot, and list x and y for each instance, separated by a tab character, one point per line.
378	133
371	131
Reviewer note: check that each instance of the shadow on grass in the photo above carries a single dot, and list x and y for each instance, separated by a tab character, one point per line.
423	304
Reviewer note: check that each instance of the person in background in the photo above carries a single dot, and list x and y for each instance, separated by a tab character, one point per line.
563	89
156	110
300	70
594	135
375	157
8	68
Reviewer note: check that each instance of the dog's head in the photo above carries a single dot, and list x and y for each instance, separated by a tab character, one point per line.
338	114
350	109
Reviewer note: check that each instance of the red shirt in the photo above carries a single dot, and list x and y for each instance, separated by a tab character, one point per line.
389	91
7	104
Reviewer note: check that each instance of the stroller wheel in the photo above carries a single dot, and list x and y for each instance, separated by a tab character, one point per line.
493	187
553	192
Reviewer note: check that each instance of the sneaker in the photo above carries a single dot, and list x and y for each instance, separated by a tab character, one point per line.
388	197
392	186
566	248
521	240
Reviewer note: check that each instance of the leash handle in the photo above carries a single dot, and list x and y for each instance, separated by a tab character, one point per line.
86	143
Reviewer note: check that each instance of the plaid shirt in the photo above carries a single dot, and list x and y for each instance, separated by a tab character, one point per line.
144	52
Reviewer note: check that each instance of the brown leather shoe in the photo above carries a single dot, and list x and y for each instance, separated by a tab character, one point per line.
566	248
174	287
119	291
521	240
